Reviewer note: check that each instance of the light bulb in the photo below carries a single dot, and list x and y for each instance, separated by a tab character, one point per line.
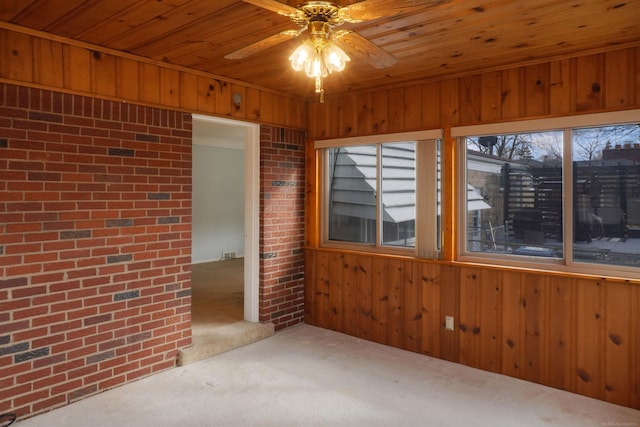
316	66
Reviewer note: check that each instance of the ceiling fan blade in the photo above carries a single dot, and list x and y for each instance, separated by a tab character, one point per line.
355	44
374	9
264	44
275	6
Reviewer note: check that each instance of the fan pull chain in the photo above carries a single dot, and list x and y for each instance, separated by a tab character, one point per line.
319	88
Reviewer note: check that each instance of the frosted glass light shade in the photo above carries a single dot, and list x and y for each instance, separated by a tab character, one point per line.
302	55
334	57
318	60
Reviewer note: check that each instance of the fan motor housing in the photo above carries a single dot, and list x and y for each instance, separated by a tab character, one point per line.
321	11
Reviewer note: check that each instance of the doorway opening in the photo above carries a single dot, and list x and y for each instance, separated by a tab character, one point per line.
225	223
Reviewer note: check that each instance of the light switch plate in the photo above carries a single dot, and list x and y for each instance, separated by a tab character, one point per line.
448	323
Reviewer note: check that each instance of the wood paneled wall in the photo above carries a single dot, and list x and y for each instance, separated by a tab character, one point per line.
576	334
593	83
36	59
580	334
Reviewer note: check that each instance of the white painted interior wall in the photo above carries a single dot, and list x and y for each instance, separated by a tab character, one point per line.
218	194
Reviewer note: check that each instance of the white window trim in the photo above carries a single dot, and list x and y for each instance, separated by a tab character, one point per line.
566	124
426	243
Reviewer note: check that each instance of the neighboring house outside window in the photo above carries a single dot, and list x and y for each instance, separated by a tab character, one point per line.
375	187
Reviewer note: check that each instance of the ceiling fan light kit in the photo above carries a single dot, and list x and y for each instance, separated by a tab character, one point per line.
319	55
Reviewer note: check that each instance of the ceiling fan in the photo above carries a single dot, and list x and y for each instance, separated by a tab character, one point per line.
323	51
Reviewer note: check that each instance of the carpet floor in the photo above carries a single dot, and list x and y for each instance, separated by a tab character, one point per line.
307	376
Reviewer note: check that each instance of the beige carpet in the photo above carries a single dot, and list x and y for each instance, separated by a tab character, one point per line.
306	376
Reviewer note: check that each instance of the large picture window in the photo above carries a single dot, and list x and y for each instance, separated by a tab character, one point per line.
554	191
382	192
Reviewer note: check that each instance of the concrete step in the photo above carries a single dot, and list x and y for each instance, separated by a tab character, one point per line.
219	339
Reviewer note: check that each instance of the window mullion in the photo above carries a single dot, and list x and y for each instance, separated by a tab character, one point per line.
426	198
325	189
567	196
461	197
379	207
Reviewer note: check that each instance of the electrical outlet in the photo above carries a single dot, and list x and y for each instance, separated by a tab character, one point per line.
448	323
228	255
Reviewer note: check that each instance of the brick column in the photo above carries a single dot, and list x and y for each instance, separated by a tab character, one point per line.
281	226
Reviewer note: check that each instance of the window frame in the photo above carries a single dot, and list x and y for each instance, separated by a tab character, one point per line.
427	144
565	125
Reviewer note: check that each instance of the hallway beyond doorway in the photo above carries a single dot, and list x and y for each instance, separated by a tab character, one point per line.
217	293
217	311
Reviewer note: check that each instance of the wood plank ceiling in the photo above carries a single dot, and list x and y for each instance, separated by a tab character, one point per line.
454	37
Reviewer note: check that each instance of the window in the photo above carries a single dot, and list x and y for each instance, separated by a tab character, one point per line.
381	192
514	194
606	194
553	191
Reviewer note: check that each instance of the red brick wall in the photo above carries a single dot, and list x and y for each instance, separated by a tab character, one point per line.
281	226
95	245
